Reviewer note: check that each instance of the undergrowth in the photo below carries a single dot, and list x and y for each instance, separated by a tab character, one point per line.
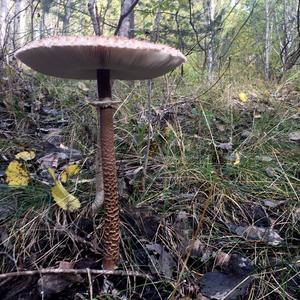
213	159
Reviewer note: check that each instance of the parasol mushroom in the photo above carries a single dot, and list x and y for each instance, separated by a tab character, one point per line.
102	58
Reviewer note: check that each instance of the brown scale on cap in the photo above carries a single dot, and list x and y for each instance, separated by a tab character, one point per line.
102	58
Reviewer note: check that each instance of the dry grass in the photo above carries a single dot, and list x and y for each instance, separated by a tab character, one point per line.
171	161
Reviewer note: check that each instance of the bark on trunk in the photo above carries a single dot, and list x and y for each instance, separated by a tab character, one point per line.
42	24
3	33
66	19
210	18
19	24
3	21
157	22
285	43
126	26
91	10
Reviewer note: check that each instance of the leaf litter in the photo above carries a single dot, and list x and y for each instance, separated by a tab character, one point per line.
220	265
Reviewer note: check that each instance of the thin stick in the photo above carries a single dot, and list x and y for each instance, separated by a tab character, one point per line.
149	134
90	283
75	271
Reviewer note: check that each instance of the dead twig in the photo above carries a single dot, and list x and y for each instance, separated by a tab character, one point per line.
75	271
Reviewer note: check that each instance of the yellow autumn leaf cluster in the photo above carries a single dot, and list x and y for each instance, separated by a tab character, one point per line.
243	97
69	171
16	174
61	196
25	155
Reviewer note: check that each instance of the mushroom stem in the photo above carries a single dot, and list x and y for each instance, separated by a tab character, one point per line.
105	113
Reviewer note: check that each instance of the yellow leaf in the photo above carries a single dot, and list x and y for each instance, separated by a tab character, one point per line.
298	109
237	159
69	171
25	155
16	174
243	97
61	196
168	131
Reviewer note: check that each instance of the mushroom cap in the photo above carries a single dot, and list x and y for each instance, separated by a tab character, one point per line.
78	57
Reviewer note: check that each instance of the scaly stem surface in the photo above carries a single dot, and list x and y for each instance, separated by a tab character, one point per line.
111	237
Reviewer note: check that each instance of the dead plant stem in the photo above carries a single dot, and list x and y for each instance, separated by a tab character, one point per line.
190	247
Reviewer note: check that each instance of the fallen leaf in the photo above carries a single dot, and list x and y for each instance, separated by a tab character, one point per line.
295	136
270	172
201	250
243	97
220	286
237	159
53	284
221	127
69	171
258	216
51	160
245	134
273	203
296	116
254	233
233	263
25	155
256	116
61	196
225	146
162	261
16	174
183	226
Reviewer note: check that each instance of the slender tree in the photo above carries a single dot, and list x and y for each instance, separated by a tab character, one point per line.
67	15
3	32
210	18
267	48
125	25
3	21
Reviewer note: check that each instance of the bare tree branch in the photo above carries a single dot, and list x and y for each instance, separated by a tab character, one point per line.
91	7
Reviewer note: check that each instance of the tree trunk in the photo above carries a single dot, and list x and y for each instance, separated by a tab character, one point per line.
94	17
66	19
3	21
19	24
210	18
3	32
42	23
127	25
267	41
285	42
157	22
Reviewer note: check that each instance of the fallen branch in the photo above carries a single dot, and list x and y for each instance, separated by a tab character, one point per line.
75	271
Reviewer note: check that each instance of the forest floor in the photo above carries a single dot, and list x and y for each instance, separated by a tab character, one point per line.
209	186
